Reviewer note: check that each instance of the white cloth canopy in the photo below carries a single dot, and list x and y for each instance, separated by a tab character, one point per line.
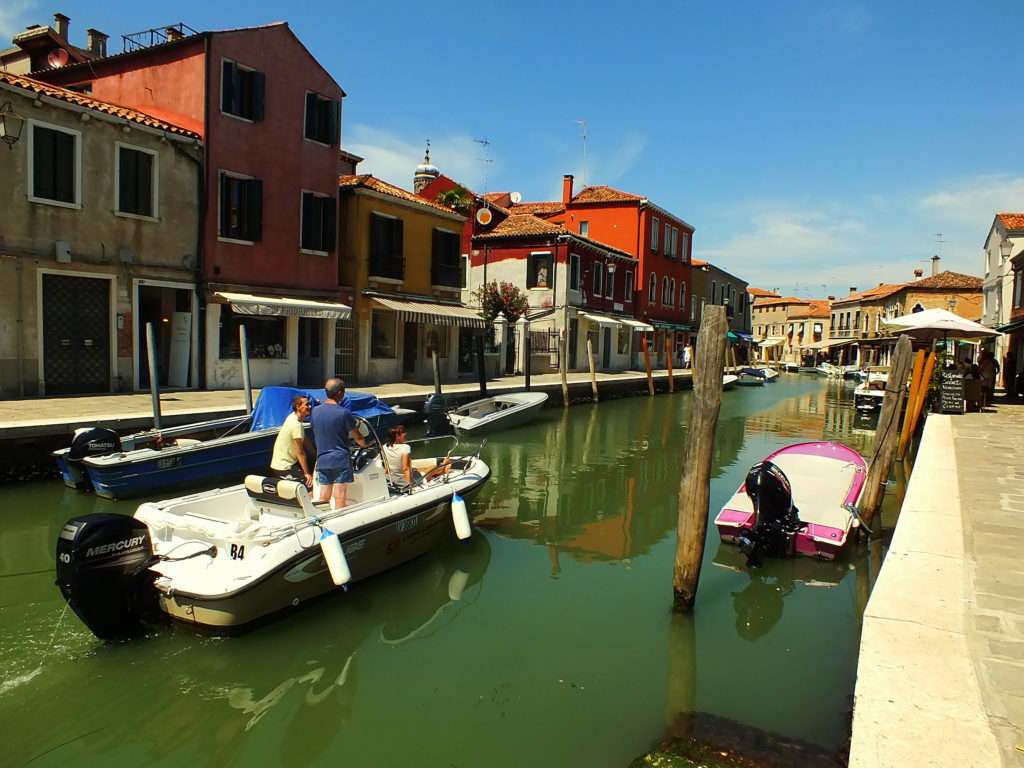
933	324
276	306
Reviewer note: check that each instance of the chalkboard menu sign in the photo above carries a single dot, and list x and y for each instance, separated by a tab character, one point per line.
951	392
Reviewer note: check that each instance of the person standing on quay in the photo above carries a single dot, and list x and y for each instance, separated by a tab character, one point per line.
334	427
989	370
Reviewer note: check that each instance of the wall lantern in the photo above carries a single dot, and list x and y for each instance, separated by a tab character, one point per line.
1005	248
611	267
11	124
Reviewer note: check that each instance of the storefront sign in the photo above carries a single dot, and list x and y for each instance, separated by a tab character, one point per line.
951	392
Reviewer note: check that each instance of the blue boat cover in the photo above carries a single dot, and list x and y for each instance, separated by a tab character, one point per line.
275	403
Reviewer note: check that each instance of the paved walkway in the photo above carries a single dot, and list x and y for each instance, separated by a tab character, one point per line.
940	679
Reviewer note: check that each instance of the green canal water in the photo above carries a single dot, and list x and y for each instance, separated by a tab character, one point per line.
546	640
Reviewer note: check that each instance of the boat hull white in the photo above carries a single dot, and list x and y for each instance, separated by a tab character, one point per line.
484	417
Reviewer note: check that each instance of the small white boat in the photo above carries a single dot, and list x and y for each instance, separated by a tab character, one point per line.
227	557
729	381
868	395
791	367
498	412
752	377
769	374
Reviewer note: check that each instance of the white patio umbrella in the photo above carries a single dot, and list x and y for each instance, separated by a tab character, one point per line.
932	324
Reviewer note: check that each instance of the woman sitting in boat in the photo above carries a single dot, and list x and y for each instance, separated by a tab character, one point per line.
398	455
289	460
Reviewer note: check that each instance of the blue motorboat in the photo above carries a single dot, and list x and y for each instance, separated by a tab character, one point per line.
194	454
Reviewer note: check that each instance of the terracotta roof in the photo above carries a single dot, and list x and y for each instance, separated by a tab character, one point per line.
540	208
529	225
603	194
698	262
814	309
371	182
494	206
878	292
82	100
771	301
1011	220
948	281
758	292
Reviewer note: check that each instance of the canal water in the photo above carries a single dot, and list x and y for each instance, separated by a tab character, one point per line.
547	639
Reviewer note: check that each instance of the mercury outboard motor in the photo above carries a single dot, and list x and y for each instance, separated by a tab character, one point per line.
436	410
102	571
776	520
93	441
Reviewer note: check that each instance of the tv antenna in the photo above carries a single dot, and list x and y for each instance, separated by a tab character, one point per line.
485	146
939	242
583	128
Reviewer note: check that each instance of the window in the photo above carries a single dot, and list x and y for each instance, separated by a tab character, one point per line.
682	295
655	227
609	282
445	269
465	272
664	291
684	253
54	155
622	341
671	293
323	118
387	257
598	270
1016	289
241	208
319	222
668	239
652	287
628	287
266	336
585	228
714	291
382	335
135	180
538	274
574	272
241	91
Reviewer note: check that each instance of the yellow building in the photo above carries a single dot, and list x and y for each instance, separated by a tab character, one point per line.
402	256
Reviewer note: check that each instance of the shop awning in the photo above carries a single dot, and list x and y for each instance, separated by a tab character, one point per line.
665	326
247	304
602	319
1016	325
743	336
637	324
771	341
432	313
828	343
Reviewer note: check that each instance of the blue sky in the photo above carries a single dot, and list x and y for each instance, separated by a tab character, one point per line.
813	145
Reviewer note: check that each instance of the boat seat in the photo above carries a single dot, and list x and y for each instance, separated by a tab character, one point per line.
284	496
185	442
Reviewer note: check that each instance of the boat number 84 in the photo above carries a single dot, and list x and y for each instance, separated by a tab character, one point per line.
237	551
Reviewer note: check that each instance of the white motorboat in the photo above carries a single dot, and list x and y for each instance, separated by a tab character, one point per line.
868	395
225	558
751	377
729	381
769	374
498	412
791	367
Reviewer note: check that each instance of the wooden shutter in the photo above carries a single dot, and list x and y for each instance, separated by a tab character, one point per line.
126	180
225	205
309	214
330	208
378	238
334	137
310	132
254	209
65	167
229	88
397	251
43	163
436	256
259	93
144	183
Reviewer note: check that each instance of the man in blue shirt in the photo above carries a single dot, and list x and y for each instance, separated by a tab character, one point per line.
334	427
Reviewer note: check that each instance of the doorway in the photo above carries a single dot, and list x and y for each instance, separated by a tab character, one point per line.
410	349
345	349
606	350
311	367
169	309
75	334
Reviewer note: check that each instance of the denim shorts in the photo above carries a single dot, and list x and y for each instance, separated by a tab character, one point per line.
332	476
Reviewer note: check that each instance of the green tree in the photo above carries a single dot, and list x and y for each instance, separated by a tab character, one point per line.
501	299
456	198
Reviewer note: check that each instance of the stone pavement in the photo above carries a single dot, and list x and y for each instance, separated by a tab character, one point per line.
990	471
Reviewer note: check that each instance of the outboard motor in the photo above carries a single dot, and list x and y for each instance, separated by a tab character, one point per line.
776	520
436	410
102	562
93	441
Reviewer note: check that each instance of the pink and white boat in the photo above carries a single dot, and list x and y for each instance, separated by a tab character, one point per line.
826	480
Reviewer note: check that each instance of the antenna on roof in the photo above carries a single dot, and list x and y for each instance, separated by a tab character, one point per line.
583	127
486	159
939	242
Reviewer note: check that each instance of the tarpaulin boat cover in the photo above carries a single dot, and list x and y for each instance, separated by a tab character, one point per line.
275	403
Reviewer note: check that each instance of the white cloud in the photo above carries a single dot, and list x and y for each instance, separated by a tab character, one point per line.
974	201
394	158
13	18
604	166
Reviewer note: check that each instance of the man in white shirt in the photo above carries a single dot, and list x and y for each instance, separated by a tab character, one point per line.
289	460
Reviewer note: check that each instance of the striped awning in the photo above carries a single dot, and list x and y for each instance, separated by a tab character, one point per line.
594	317
637	324
431	313
274	306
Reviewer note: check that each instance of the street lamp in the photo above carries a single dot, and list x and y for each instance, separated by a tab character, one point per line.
1005	248
11	124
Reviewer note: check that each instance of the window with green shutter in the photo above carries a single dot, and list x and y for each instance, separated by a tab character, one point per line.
135	181
323	118
242	91
54	164
319	222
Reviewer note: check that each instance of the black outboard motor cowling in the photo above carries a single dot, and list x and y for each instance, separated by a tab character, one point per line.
93	441
436	410
776	520
102	571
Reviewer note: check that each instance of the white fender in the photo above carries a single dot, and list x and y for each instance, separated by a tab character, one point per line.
460	516
330	545
457	585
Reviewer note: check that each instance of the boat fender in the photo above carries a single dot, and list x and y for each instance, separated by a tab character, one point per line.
457	585
330	545
460	516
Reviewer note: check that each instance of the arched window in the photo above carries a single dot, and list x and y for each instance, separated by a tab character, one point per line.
664	290
682	295
652	288
672	293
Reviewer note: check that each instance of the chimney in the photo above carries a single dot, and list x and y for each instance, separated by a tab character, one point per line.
60	23
96	42
173	33
935	265
831	298
567	188
918	273
853	289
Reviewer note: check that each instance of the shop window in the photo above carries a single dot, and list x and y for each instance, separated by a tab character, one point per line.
242	91
538	272
267	336
136	181
323	119
382	335
241	208
56	165
319	222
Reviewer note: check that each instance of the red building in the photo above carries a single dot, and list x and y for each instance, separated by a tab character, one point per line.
270	118
661	241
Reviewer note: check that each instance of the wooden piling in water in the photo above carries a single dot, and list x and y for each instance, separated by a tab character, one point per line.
563	365
695	485
593	373
481	367
647	364
437	372
668	364
243	344
887	432
154	376
917	397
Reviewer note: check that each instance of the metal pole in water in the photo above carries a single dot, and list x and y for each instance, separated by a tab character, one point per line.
437	372
695	485
154	374
593	373
243	346
527	362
